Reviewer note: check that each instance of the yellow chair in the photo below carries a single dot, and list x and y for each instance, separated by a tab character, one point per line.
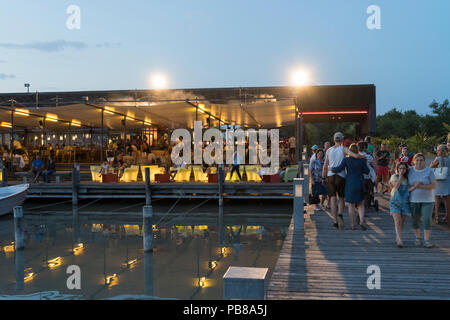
183	175
95	174
199	175
154	169
252	173
235	177
129	175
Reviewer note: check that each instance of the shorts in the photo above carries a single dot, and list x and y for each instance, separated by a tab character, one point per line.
336	185
383	172
319	188
422	210
403	208
110	159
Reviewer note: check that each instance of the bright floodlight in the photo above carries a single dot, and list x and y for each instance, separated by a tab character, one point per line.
299	78
159	81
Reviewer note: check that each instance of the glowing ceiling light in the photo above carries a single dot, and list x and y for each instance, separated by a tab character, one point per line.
51	117
22	112
213	264
6	124
108	110
76	123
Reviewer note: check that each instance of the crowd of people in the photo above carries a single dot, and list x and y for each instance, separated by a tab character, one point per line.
353	175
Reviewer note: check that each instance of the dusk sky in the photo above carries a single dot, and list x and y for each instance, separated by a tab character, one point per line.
206	44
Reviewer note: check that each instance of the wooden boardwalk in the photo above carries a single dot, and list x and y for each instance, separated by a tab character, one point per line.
325	263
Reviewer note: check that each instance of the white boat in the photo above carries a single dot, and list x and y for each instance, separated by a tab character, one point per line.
12	196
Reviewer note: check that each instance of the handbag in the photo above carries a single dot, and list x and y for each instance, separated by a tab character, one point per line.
314	199
441	172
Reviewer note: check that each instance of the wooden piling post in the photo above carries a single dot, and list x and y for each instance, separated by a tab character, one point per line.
148	196
74	186
19	228
147	215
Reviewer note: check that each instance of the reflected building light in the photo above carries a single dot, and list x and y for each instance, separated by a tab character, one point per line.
130	263
78	249
6	124
9	248
29	275
53	263
202	282
213	264
111	280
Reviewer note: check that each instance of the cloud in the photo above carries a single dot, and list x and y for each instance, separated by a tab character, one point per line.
4	76
2	61
108	44
47	46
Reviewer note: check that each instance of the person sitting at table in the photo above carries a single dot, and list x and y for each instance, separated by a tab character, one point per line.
120	168
51	168
36	168
104	169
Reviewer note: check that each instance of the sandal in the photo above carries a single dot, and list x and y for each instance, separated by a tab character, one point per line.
418	241
363	227
427	244
399	244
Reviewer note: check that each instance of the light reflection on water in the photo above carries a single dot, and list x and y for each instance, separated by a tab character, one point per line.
188	261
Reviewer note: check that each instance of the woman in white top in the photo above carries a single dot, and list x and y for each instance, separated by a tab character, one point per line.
422	182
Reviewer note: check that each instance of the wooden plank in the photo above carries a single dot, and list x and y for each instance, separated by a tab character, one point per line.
326	263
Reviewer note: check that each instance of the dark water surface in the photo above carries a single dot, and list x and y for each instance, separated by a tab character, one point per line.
186	250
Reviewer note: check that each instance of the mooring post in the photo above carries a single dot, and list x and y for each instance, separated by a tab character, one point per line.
148	228
74	186
19	228
148	196
148	273
220	178
4	176
298	204
19	260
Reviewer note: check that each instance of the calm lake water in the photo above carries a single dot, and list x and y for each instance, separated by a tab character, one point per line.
188	262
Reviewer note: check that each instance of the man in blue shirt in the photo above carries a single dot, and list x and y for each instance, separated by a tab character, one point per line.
36	168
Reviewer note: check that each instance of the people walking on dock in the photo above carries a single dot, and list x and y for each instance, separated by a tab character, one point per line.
354	185
318	184
422	182
399	202
442	192
336	180
382	157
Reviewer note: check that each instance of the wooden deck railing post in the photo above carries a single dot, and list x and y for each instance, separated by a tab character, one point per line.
306	181
221	175
298	203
